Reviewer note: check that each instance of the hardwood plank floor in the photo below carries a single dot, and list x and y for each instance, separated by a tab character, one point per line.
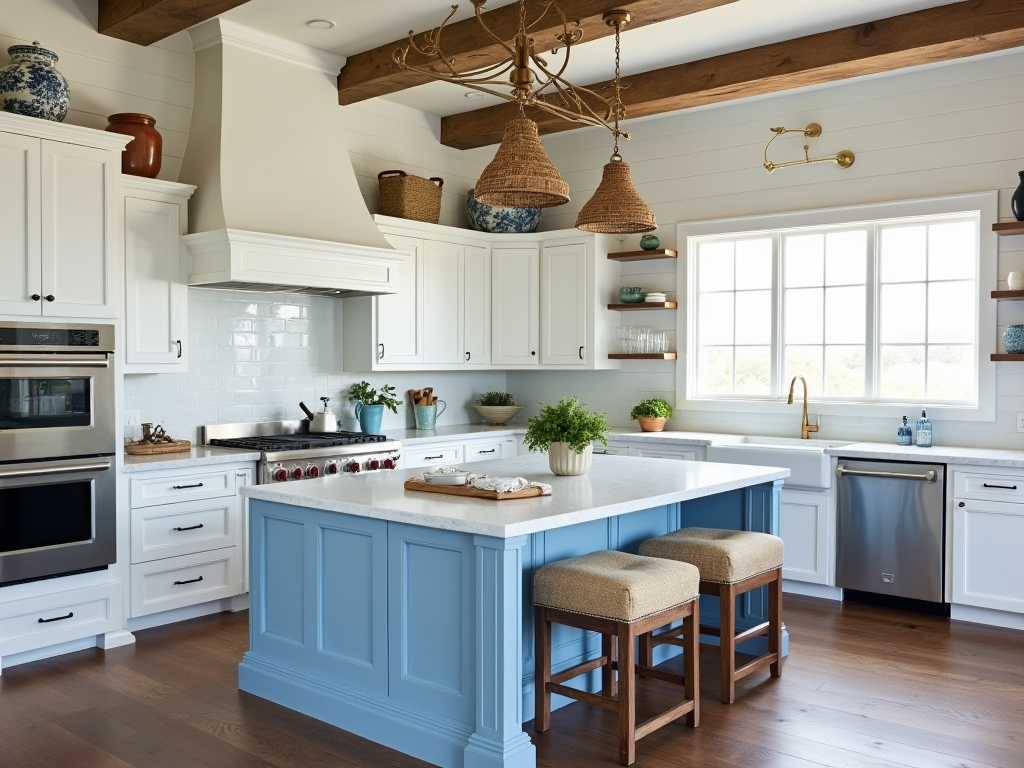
864	687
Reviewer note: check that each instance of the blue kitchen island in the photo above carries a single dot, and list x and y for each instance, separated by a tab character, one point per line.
406	617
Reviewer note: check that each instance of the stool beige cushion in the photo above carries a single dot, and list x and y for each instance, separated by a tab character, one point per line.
721	556
615	585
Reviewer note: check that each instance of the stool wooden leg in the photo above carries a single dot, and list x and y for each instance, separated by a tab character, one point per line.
627	694
609	686
542	670
727	640
646	649
775	623
691	663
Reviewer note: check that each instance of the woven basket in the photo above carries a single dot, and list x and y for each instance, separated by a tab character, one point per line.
410	197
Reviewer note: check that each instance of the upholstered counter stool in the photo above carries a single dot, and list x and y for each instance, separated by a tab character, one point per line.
622	596
731	563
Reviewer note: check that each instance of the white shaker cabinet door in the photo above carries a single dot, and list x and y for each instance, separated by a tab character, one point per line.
400	315
515	298
443	285
477	323
988	571
79	230
804	520
19	225
156	274
563	304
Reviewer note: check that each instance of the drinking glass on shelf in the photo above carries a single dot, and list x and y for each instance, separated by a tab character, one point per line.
660	342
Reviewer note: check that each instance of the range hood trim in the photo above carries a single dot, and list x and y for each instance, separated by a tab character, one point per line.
253	261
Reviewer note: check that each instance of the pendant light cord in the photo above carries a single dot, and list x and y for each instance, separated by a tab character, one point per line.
617	99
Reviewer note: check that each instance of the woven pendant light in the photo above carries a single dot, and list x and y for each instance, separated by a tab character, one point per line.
521	175
616	207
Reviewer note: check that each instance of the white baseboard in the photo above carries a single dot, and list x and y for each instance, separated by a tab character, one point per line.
115	639
188	612
812	590
987	616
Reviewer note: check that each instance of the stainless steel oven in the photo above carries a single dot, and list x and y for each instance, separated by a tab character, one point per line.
58	510
56	391
56	517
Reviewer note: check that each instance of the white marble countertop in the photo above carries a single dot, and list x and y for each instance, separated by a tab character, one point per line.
197	456
940	454
614	486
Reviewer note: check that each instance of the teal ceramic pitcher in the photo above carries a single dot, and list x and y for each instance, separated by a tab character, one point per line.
370	417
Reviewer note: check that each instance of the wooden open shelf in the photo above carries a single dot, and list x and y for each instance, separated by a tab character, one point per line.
1003	228
657	253
1007	358
1008	295
650	305
669	356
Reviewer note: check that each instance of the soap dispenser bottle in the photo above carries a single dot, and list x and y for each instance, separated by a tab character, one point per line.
924	431
904	435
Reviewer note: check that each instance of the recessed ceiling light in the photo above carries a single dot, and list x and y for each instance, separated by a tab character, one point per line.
320	24
473	95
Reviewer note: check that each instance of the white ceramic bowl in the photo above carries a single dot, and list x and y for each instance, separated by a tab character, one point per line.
446	478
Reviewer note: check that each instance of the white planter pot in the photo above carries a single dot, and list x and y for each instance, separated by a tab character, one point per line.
563	460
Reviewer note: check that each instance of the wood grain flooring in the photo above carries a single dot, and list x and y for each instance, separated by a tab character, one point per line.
863	687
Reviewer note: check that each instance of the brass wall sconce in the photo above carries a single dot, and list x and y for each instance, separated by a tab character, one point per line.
843	158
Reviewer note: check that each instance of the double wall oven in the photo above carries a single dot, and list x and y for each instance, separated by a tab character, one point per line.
57	450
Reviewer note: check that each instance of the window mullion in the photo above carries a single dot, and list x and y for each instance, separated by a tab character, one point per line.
777	329
872	339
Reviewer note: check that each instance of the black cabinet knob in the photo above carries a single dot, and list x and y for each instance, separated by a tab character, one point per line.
961	504
36	297
49	297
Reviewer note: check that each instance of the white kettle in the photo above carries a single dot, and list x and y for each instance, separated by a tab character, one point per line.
324	421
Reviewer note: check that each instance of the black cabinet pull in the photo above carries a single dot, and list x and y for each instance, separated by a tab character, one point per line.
189	581
36	297
50	297
1003	487
430	458
490	451
182	487
189	528
57	618
380	355
581	353
468	355
178	342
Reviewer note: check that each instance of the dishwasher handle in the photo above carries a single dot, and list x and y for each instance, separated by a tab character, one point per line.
928	477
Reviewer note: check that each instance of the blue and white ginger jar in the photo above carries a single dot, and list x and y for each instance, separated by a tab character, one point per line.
30	86
494	218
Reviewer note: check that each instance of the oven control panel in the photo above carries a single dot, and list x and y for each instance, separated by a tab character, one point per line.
310	469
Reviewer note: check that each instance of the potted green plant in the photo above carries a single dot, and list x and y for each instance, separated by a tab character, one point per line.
498	408
567	432
652	414
370	405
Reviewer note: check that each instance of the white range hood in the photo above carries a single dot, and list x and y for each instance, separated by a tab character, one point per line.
277	206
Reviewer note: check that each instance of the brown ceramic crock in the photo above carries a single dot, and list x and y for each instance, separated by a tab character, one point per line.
142	156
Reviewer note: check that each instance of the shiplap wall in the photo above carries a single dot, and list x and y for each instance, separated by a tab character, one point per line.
107	75
919	133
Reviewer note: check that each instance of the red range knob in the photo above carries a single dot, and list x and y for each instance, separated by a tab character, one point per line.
389	463
296	473
280	475
352	466
374	464
312	471
331	469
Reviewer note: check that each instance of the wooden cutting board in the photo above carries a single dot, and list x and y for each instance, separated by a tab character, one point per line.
148	449
468	490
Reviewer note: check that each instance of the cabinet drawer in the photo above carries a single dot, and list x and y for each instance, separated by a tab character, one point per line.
972	485
60	617
432	456
163	489
175	582
613	449
185	528
663	453
483	450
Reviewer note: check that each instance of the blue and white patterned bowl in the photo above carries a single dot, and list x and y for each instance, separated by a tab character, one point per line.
493	218
30	86
1013	339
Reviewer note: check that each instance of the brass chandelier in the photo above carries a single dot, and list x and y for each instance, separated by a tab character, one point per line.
521	174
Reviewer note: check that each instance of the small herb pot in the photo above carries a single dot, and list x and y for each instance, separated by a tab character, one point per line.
652	423
563	460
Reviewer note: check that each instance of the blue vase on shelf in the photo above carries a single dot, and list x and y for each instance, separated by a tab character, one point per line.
30	85
369	417
1013	339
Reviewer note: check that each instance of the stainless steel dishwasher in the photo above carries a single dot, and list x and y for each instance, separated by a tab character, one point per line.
890	537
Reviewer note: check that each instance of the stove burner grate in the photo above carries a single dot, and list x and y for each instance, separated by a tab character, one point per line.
298	442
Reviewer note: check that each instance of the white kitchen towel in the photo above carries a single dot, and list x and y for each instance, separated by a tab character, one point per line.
507	484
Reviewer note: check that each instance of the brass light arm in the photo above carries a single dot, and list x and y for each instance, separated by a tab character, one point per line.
843	158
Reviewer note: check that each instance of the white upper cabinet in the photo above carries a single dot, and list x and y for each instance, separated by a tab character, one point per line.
563	303
443	309
59	215
399	315
156	275
515	280
477	305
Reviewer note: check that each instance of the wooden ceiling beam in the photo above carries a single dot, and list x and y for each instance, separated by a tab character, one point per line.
146	21
962	29
374	73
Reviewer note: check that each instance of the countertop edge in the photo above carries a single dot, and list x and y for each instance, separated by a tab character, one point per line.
198	456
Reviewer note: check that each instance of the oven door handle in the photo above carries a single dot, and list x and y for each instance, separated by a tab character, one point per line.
90	466
77	362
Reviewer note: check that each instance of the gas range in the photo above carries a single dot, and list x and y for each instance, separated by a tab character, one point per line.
289	452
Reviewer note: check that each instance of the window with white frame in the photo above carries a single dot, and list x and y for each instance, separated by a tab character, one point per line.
869	311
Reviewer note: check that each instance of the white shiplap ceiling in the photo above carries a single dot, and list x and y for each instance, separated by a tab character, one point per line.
366	24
